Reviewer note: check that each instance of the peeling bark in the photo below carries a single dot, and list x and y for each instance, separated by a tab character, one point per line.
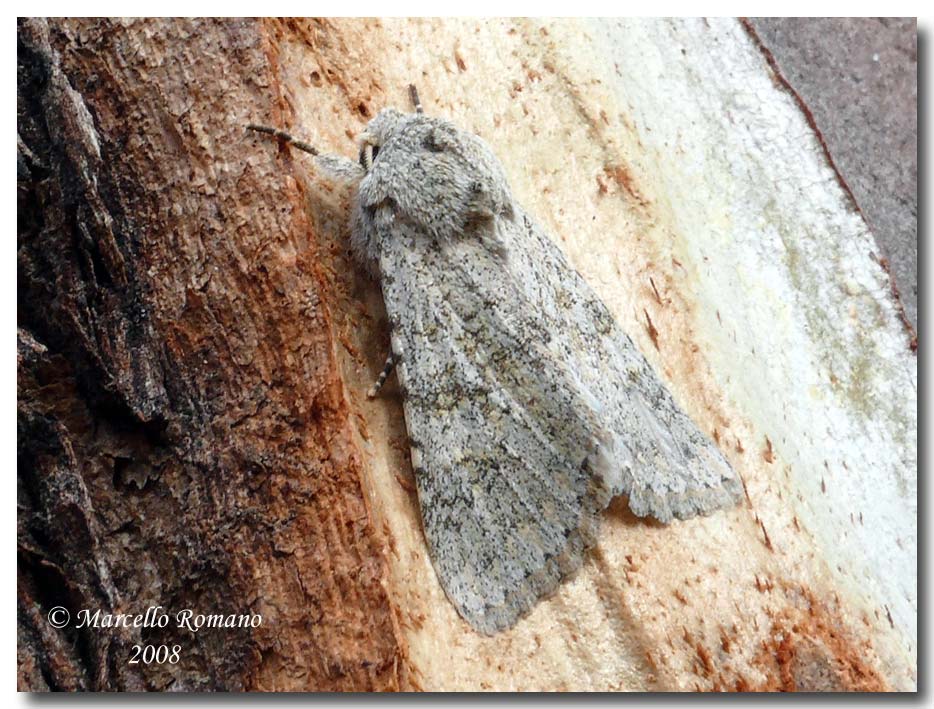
183	440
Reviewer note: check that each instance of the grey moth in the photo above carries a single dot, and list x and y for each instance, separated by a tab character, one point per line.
528	408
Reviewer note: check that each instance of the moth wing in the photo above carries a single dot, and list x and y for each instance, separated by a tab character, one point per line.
667	466
503	443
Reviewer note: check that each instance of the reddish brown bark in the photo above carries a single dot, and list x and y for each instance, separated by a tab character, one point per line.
183	437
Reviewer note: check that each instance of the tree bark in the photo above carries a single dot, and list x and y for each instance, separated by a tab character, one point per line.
183	438
195	343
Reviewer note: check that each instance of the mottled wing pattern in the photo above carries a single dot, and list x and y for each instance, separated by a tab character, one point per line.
505	445
668	467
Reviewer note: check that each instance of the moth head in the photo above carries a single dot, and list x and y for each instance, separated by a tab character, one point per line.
424	174
428	172
378	132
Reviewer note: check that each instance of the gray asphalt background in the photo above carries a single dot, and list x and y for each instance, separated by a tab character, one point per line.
858	76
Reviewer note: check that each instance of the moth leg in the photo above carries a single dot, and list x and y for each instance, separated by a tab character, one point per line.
285	137
416	103
381	379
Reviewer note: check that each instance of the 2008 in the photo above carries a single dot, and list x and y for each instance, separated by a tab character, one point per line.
160	654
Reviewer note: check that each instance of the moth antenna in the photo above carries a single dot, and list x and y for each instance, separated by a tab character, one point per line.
416	102
285	137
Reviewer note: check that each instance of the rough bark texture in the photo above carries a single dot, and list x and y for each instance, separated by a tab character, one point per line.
183	436
195	343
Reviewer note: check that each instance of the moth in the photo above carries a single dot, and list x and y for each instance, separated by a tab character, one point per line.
527	407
